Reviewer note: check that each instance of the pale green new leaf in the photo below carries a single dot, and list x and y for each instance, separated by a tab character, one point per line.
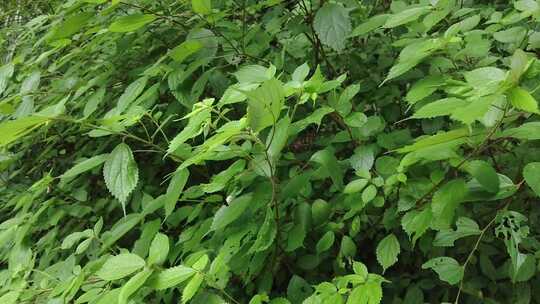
192	287
120	266
131	23
368	293
523	100
202	7
199	115
121	173
14	129
387	251
332	25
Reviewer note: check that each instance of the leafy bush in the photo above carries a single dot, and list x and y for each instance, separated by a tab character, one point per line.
244	151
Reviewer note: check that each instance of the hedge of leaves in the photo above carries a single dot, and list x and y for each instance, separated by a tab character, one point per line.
273	151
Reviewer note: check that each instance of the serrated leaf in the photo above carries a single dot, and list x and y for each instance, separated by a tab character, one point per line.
121	173
387	251
531	173
131	23
185	49
159	249
83	166
371	24
267	232
174	190
440	107
170	277
485	174
368	293
523	100
131	93
192	287
202	7
227	214
406	16
120	266
446	200
264	104
424	87
132	285
447	268
332	25
326	241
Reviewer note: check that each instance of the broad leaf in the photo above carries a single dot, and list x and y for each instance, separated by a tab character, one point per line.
387	251
121	173
332	25
120	266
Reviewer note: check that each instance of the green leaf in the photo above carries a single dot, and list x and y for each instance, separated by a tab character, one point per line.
475	110
484	174
416	223
369	194
120	266
326	241
356	120
387	251
368	293
447	268
185	49
485	80
355	186
174	190
121	173
228	214
313	118
93	102
203	7
424	88
170	277
264	104
133	285
199	115
192	287
131	93
523	100
446	200
70	26
6	71
464	227
440	107
267	232
82	167
220	180
531	173
332	25
330	164
131	23
253	74
412	55
527	131
277	138
12	130
370	25
406	16
159	249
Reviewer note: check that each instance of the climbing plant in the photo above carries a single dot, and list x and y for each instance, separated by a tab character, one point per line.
276	151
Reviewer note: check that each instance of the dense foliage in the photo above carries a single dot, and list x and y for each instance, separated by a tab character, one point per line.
245	151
